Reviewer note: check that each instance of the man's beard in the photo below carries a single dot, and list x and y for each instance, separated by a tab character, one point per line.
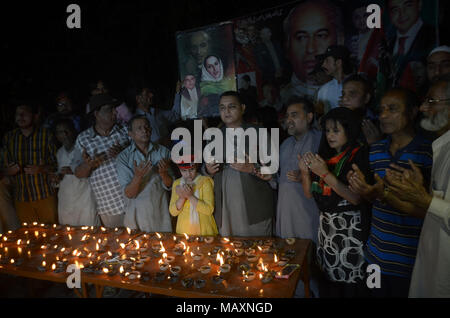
437	122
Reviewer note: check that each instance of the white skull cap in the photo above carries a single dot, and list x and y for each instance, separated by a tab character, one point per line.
442	48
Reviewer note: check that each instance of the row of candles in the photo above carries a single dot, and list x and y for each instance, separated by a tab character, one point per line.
164	263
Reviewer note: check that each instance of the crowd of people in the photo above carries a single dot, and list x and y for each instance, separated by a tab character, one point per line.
366	181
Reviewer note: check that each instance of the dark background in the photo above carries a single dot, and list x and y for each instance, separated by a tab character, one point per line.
119	41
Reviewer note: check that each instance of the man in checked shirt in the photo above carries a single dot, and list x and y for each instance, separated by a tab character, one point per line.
97	147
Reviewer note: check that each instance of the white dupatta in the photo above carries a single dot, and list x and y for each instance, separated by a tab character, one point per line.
194	224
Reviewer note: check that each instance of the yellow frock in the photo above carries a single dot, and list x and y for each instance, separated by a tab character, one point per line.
205	208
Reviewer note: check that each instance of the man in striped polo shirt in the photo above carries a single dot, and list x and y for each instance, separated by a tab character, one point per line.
29	156
394	235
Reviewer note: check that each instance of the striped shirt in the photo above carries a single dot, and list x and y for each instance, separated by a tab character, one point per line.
39	148
394	235
103	180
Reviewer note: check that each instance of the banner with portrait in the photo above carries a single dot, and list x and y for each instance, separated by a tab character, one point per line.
207	69
276	50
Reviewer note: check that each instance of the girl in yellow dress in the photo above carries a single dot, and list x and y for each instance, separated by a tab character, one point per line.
192	201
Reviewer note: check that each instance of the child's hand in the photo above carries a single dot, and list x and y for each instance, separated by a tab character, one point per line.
188	190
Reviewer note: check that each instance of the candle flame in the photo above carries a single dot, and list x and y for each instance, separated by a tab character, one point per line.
105	270
34	223
44	263
85	228
219	258
128	230
12	260
259	248
97	247
74	253
103	229
70	237
53	266
109	253
44	235
36	233
275	258
68	228
121	269
19	241
122	245
25	224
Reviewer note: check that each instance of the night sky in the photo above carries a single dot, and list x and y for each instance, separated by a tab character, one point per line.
118	40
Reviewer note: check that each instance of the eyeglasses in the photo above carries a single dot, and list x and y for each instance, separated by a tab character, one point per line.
431	101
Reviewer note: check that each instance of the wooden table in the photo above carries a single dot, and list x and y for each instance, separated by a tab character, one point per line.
40	243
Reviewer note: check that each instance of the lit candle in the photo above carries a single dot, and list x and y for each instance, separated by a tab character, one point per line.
205	269
249	276
225	240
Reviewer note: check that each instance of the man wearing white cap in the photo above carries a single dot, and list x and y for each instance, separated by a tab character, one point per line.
438	62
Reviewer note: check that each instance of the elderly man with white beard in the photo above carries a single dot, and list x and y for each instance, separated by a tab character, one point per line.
431	274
